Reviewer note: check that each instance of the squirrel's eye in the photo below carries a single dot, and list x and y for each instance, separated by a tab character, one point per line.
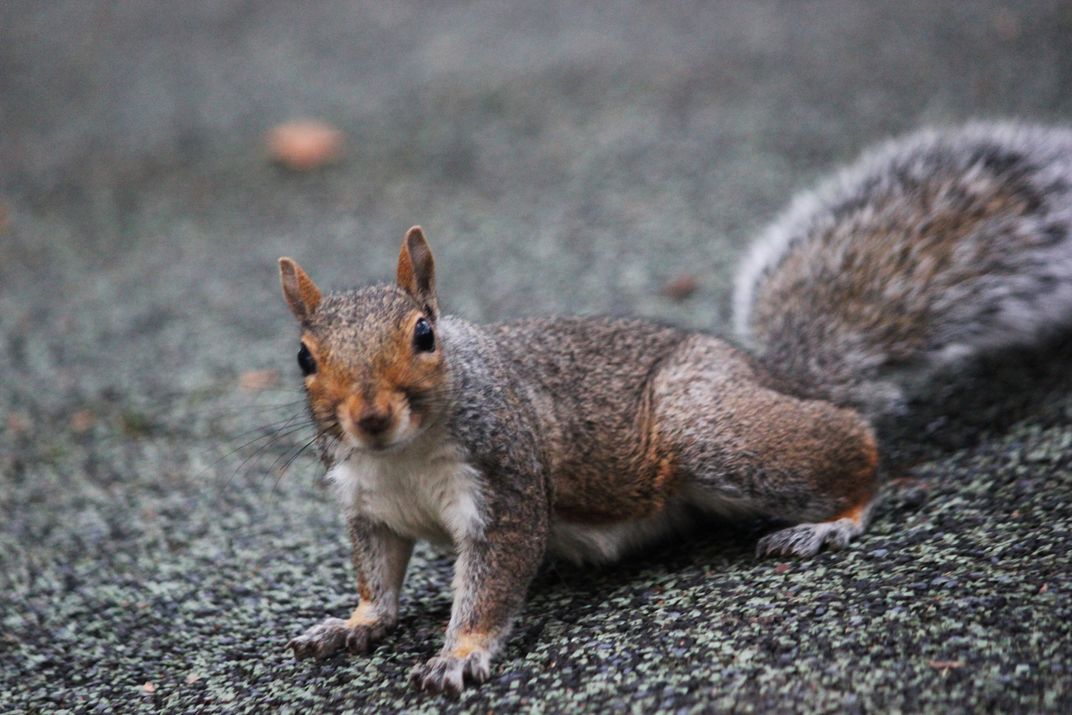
423	337
306	361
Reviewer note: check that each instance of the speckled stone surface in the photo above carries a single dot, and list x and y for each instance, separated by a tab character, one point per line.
154	555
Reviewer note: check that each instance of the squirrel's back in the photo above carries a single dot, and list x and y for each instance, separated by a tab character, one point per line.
928	249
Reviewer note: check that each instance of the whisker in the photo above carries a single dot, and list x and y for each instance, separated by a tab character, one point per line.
221	410
290	461
280	423
273	434
269	433
231	408
275	437
215	390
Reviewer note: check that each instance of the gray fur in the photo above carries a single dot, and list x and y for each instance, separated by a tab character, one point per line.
379	557
608	433
593	436
881	273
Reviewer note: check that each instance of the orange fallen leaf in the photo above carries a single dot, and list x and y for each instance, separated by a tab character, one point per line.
946	664
256	380
1007	25
149	687
305	144
82	421
681	287
18	423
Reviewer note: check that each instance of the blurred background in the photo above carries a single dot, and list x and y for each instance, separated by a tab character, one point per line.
562	157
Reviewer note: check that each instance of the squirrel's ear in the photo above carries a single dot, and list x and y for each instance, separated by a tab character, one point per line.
298	288
416	270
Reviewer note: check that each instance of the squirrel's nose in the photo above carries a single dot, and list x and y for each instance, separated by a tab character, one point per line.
374	422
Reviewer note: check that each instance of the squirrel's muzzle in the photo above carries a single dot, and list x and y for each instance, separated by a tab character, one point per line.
374	422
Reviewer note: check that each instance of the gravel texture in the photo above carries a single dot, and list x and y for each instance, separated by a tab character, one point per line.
154	554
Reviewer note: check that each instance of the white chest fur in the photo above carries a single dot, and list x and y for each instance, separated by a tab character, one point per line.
421	492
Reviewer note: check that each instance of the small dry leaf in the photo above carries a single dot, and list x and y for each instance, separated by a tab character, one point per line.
946	664
681	287
305	144
18	423
256	380
149	687
1045	588
192	678
781	568
1007	24
82	421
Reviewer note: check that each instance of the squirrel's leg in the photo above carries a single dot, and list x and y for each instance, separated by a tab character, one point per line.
379	557
742	447
491	576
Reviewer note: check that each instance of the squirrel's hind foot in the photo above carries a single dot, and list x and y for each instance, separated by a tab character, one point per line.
807	539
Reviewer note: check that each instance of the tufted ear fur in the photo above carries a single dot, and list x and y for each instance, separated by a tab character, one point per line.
416	271
301	293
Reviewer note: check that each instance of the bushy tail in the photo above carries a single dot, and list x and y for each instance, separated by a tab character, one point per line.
928	250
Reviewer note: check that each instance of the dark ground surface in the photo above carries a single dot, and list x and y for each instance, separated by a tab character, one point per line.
561	159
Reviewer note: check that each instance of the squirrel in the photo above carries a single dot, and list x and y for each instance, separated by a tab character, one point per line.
586	438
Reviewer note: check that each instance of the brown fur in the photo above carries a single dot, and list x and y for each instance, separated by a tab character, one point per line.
593	422
612	468
377	384
470	643
361	615
300	292
756	449
590	436
935	247
855	514
891	239
416	271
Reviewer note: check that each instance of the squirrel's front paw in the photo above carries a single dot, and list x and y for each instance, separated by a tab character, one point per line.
334	635
450	673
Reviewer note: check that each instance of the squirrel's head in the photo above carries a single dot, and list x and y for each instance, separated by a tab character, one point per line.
371	358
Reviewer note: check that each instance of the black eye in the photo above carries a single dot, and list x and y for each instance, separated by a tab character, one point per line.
423	337
306	361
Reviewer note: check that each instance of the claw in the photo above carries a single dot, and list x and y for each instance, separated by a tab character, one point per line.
808	539
333	635
450	674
